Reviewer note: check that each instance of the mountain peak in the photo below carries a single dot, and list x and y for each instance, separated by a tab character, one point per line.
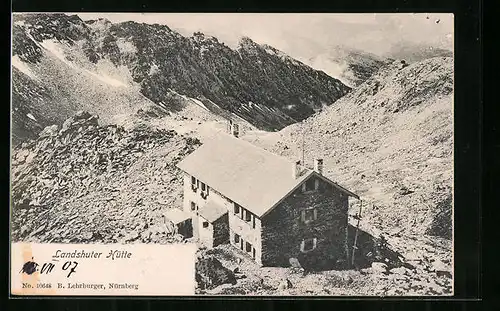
247	43
201	37
100	20
262	86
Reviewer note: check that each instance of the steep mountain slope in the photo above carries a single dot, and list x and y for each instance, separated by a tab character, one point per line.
52	79
85	182
30	98
351	66
390	141
114	70
256	82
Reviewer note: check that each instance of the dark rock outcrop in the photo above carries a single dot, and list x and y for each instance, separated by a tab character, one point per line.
210	273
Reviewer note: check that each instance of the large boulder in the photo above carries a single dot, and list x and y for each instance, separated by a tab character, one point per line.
49	131
210	273
379	267
441	269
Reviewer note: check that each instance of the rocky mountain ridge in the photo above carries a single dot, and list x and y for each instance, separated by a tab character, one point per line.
412	52
144	63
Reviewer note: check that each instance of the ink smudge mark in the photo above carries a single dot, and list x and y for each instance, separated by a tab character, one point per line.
29	267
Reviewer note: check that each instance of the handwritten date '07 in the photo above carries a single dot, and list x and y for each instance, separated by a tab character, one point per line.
31	267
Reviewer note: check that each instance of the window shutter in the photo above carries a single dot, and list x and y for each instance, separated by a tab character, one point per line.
303	216
302	246
314	243
315	211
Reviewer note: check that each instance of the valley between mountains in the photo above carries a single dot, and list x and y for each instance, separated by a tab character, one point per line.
102	112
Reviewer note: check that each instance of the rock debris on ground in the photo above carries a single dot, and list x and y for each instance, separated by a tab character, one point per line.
82	183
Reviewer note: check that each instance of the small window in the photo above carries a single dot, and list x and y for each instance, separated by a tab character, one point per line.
309	215
203	187
248	247
253	223
248	216
236	208
308	245
193	206
310	184
236	238
253	253
193	181
205	224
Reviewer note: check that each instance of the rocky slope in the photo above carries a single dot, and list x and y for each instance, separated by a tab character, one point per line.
82	182
115	69
225	271
391	142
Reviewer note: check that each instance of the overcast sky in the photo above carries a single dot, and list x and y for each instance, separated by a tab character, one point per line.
305	35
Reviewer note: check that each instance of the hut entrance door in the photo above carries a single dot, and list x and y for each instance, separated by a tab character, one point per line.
186	228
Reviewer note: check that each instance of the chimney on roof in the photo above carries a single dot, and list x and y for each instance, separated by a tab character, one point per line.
296	170
235	130
318	166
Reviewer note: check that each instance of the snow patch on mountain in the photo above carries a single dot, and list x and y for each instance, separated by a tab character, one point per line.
54	47
58	51
126	46
23	67
153	69
32	117
106	79
199	103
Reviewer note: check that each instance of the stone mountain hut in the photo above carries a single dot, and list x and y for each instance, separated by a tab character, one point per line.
262	204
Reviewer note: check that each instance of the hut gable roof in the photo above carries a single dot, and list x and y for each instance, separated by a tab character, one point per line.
252	177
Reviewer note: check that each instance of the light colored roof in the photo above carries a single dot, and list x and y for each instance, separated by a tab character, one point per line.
212	211
176	215
248	175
